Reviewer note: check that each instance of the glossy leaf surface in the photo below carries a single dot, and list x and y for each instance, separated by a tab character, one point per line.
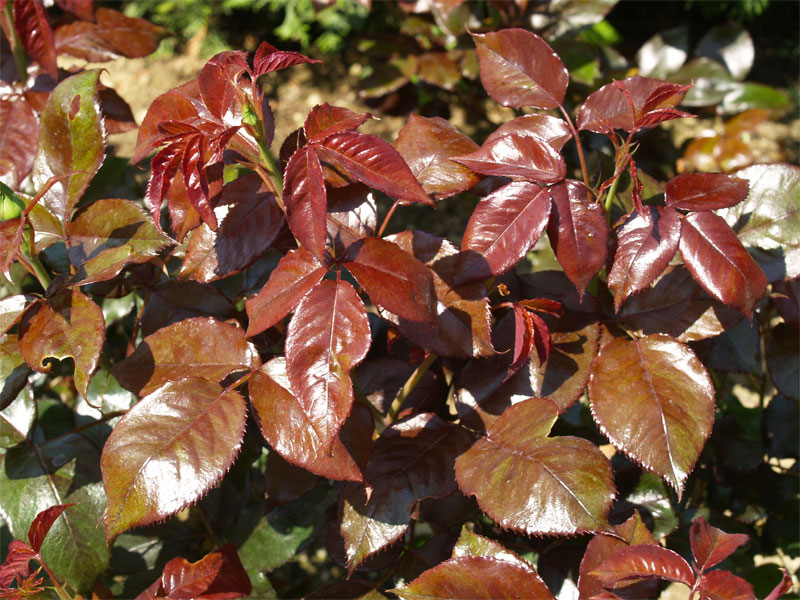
306	200
67	325
504	226
16	152
219	575
196	347
328	336
710	545
13	370
654	401
553	130
12	309
641	561
71	142
719	263
428	145
42	523
169	450
645	245
325	120
36	34
528	482
518	68
471	577
705	191
513	155
724	585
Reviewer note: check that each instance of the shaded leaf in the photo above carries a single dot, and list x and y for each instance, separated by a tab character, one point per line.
296	274
394	280
328	335
470	577
654	401
427	145
169	450
642	561
471	544
197	347
71	142
518	68
17	417
578	233
108	235
219	575
16	564
514	155
710	546
552	129
17	153
352	215
289	428
736	350
705	191
439	68
528	482
12	309
646	244
375	163
36	34
13	370
412	460
724	585
719	263
504	226
782	349
325	120
173	300
66	325
305	200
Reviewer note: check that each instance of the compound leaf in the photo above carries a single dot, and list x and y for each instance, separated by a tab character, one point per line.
514	155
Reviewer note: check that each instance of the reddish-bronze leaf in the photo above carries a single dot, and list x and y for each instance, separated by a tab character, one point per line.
551	129
296	274
83	9
219	575
268	58
71	142
217	80
108	235
518	68
66	325
705	191
375	163
515	155
195	179
463	315
328	335
724	585
654	401
325	120
17	153
578	233
504	226
720	263
352	216
288	427
305	200
644	561
473	577
169	450
252	220
710	545
198	347
174	300
35	34
42	524
394	280
174	105
16	563
529	482
413	459
646	244
427	145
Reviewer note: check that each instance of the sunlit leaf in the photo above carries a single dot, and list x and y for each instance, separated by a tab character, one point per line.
552	129
518	68
42	523
196	347
515	155
17	153
352	216
731	45
12	309
36	34
325	120
710	545
219	575
705	191
654	401
664	53
306	200
169	450
642	561
724	585
13	369
268	58
66	325
17	416
471	544
439	68
529	482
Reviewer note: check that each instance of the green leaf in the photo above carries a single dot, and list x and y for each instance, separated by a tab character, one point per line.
471	544
748	95
169	450
17	418
34	478
13	370
11	309
71	142
782	351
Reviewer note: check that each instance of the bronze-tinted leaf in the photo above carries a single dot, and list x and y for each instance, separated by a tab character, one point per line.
514	155
393	279
42	523
198	347
705	191
504	226
108	235
296	274
219	575
174	105
169	450
654	401
11	309
719	263
710	545
518	68
268	58
328	335
288	427
439	68
71	142
252	221
36	34
427	145
413	459
473	577
646	244
578	233
13	373
66	325
175	300
471	544
644	561
529	482
352	216
552	129
325	120
724	585
375	163
17	153
305	200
